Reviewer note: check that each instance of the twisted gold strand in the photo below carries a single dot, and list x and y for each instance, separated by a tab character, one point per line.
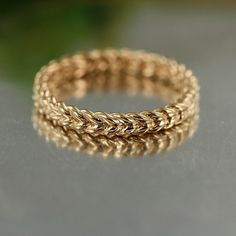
115	70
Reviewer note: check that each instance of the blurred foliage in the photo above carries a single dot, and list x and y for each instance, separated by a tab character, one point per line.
34	33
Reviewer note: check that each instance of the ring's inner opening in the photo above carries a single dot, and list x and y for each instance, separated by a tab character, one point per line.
71	81
115	102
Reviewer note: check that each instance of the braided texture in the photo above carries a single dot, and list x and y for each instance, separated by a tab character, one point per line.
117	146
115	70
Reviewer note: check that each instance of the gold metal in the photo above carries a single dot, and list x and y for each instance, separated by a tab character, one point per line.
117	146
115	70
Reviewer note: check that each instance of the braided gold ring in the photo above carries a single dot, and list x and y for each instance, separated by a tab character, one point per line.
115	70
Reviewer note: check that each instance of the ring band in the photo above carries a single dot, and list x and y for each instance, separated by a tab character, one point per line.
117	146
115	70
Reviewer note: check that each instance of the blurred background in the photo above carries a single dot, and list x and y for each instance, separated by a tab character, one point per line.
33	32
190	191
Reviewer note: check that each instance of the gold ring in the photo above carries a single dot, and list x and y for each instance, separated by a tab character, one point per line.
115	70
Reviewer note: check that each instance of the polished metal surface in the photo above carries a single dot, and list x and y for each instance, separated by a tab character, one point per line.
191	190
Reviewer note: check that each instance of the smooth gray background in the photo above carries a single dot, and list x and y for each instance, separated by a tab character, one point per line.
191	190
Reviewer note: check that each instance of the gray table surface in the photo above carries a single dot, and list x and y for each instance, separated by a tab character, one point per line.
45	190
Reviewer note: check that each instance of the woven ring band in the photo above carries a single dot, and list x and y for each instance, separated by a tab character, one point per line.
117	146
115	70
